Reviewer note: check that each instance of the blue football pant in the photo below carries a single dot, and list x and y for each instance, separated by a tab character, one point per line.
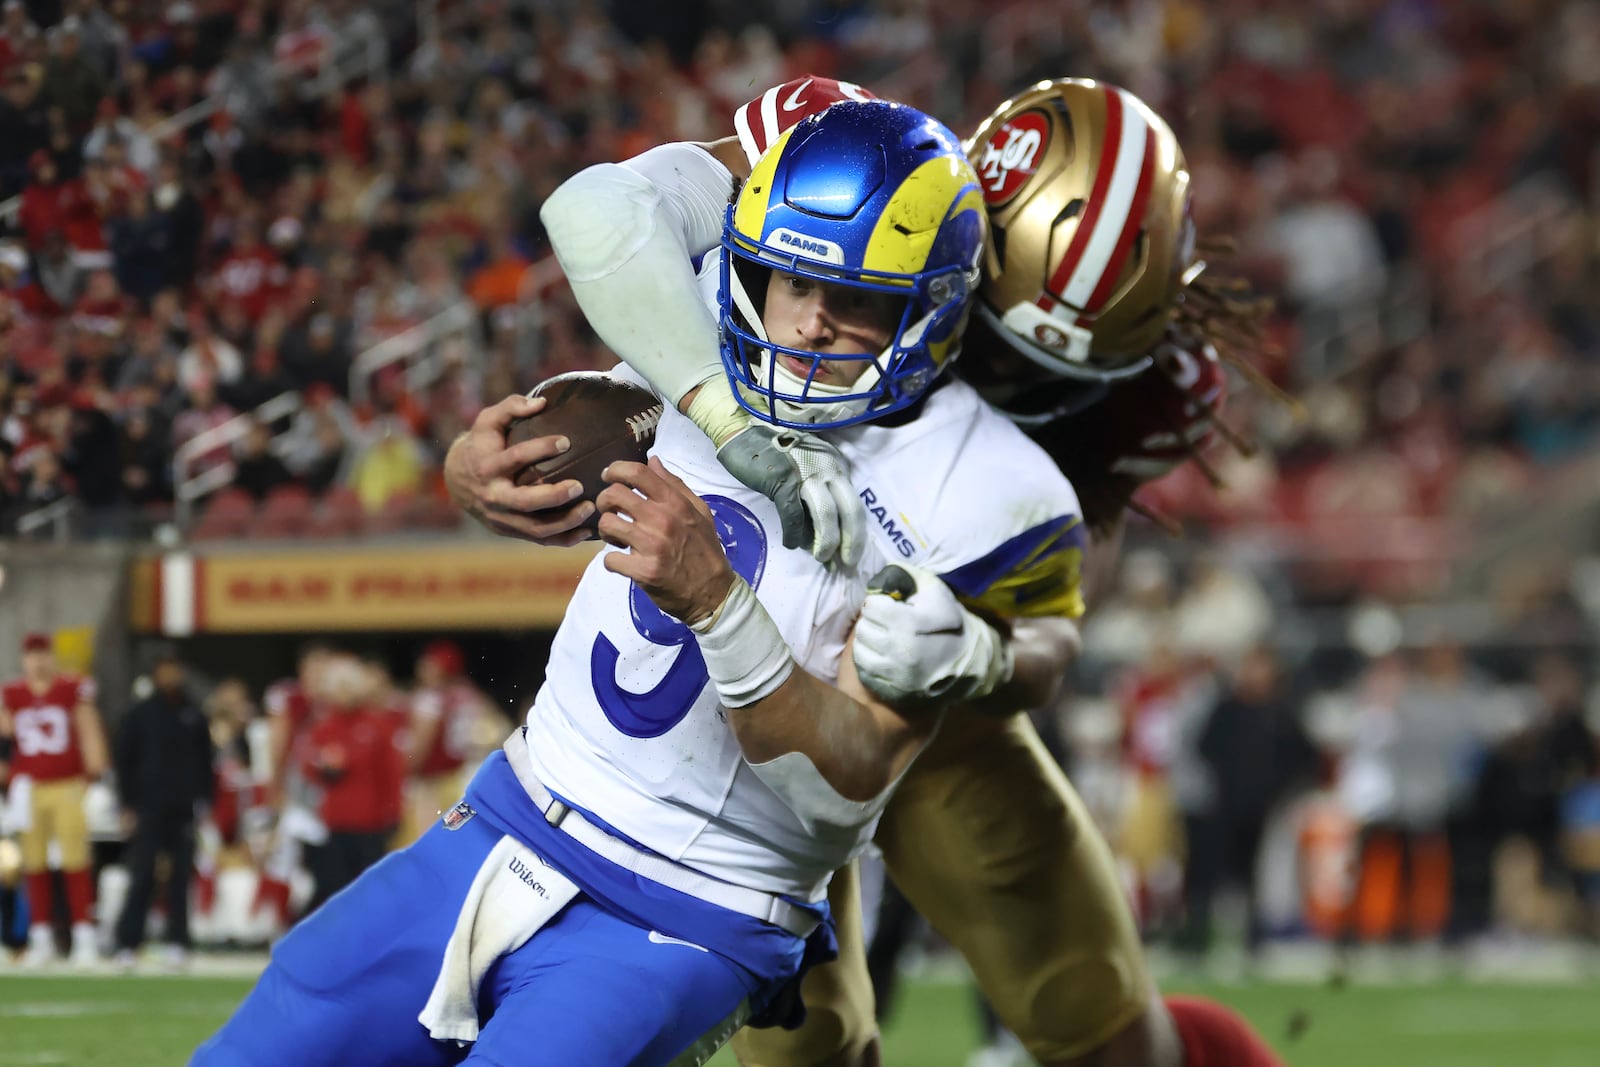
345	986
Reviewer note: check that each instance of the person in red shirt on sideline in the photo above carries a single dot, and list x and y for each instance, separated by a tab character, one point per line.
448	713
354	751
291	705
57	746
1157	699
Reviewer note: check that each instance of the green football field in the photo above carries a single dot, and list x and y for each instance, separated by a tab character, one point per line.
156	1021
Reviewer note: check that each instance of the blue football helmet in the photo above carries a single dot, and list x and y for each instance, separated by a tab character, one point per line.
867	195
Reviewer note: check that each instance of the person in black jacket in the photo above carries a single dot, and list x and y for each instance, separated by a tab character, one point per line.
23	130
1258	753
141	242
257	470
164	760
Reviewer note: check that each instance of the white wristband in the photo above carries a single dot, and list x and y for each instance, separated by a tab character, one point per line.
746	657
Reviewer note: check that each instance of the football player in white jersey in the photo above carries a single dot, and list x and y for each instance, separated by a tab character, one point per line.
643	868
987	836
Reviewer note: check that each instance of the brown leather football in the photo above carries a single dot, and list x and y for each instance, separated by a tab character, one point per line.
606	419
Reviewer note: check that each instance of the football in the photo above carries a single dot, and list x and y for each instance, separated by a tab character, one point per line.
606	419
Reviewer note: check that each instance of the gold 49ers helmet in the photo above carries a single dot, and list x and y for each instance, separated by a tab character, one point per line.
1092	238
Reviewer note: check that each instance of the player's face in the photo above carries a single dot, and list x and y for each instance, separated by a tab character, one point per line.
834	320
38	666
343	682
312	666
168	676
375	682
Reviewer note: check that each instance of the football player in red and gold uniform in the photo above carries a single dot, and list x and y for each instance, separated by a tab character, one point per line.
447	711
291	706
58	747
1100	330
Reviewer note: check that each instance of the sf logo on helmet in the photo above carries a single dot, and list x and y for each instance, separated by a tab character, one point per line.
1012	155
1051	338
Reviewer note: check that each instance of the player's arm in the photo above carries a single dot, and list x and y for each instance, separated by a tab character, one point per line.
427	719
1143	429
91	734
996	633
1041	650
280	739
130	739
277	757
1100	559
857	744
730	154
627	236
825	750
7	743
480	468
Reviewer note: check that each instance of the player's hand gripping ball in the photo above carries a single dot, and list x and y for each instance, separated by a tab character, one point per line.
607	419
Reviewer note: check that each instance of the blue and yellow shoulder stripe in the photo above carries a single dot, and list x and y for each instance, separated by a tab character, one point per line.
1039	572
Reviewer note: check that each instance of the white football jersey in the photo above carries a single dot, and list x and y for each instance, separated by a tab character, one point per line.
627	725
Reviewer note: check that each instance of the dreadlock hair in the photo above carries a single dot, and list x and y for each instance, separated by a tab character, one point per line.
1223	311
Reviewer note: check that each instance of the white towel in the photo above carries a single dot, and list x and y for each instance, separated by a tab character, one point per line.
514	894
302	824
16	815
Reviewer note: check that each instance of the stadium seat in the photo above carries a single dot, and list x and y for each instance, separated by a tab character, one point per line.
435	513
337	514
228	514
285	513
398	514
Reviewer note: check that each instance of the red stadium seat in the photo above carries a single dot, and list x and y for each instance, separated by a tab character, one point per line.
292	495
398	514
285	513
337	514
341	497
436	513
228	514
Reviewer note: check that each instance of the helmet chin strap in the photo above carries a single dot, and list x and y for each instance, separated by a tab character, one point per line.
1003	395
1070	362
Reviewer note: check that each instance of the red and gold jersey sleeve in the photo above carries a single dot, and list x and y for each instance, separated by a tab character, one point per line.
762	121
74	691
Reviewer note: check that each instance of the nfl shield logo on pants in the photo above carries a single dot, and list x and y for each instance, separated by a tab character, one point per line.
456	817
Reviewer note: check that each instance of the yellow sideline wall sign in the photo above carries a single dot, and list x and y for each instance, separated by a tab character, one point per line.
488	585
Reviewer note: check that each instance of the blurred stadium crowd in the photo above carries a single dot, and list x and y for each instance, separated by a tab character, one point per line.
262	261
221	203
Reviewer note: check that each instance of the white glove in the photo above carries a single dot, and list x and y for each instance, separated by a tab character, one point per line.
916	645
809	481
